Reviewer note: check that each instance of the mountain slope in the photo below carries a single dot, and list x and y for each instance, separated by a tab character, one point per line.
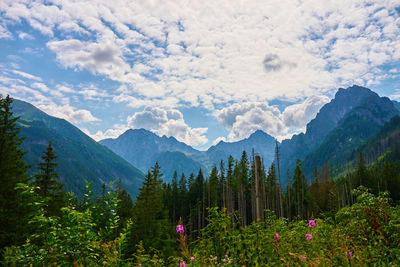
354	129
176	161
396	104
388	138
143	148
78	156
262	143
299	146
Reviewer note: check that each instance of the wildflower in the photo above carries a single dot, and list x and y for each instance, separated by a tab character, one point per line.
349	254
308	236
303	257
276	236
179	229
192	259
182	264
311	223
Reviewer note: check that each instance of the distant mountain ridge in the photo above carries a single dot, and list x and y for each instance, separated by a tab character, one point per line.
143	148
353	114
263	144
79	157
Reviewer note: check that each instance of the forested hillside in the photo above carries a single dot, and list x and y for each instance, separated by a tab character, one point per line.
79	157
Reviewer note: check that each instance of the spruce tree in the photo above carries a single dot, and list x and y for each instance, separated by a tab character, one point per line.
13	217
125	206
150	224
47	182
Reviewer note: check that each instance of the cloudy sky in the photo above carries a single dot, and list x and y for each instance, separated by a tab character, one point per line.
200	71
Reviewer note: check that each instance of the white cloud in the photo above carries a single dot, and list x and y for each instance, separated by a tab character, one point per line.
97	58
4	33
218	139
110	133
41	86
245	118
168	122
298	115
24	35
69	113
27	75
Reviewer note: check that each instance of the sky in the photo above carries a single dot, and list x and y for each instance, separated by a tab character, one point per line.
201	71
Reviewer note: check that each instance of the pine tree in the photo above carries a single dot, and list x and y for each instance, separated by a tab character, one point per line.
125	206
47	182
13	218
213	187
175	198
150	224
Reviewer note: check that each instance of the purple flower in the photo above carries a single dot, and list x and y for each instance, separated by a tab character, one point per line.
308	236
192	259
303	257
349	254
179	229
311	223
276	236
182	264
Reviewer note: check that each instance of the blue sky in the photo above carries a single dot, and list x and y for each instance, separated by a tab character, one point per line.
201	71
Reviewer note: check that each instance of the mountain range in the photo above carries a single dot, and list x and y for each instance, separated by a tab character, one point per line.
143	148
347	121
341	127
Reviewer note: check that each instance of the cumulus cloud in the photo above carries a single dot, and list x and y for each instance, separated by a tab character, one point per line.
245	118
69	113
298	115
273	62
218	139
105	58
168	122
109	133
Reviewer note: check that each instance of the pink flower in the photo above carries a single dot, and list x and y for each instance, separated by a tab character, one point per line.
192	259
349	254
303	257
311	223
182	264
276	236
308	236
179	228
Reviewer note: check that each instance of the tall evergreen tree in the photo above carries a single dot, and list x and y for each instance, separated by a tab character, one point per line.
13	218
125	206
47	182
150	224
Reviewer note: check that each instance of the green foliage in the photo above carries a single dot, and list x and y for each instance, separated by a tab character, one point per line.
372	242
74	238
